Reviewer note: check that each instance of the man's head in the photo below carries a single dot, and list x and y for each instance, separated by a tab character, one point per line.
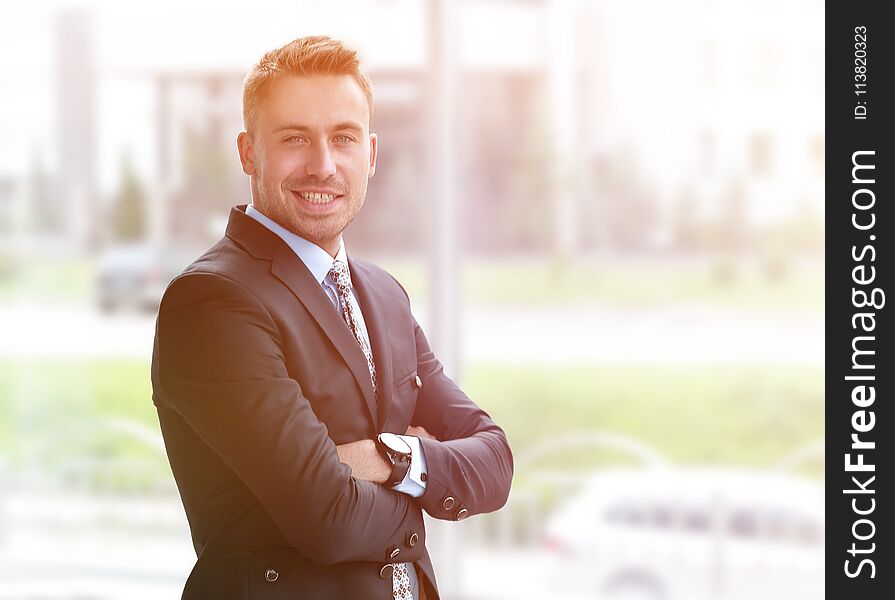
307	146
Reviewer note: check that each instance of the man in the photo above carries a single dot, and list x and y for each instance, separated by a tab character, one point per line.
307	422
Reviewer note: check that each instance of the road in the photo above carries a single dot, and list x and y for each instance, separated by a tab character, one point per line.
690	334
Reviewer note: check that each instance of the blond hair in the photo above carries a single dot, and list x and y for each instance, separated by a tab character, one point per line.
312	55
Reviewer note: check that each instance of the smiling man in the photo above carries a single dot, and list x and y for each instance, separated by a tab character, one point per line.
307	422
309	151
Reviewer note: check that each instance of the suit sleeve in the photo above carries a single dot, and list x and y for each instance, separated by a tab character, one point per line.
222	369
471	463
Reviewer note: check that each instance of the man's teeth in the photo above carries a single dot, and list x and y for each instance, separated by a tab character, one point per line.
316	198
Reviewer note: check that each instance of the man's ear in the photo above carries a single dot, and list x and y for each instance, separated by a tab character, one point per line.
246	146
374	142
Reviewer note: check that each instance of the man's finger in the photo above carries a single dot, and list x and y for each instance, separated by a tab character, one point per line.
420	432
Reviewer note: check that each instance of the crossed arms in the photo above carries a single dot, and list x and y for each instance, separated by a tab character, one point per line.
221	368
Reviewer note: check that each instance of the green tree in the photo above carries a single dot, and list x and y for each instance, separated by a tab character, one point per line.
129	207
46	213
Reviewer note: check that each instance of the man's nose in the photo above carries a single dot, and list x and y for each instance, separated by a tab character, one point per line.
320	162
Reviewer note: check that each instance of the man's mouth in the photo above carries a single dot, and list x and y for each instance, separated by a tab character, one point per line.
318	198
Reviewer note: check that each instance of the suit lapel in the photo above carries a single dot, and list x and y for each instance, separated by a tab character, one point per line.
371	305
292	272
289	269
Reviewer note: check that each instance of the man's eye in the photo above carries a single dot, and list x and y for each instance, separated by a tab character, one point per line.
343	139
294	139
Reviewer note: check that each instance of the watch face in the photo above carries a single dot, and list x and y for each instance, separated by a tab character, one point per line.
394	443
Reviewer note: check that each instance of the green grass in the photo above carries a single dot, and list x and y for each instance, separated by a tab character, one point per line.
536	282
53	412
65	280
733	416
643	284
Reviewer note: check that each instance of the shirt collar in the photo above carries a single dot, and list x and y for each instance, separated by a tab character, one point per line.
316	259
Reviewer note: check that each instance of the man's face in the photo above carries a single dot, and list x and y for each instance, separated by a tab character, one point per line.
310	154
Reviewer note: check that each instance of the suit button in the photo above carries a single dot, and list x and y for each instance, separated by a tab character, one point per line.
386	571
462	514
447	503
413	539
271	575
418	382
395	553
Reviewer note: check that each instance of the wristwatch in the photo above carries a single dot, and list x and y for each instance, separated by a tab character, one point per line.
397	452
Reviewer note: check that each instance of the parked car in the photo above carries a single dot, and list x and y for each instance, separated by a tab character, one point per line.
135	276
689	533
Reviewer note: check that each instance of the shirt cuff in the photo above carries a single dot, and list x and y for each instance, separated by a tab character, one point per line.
413	483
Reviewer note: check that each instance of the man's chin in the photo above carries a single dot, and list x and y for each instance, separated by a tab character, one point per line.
319	237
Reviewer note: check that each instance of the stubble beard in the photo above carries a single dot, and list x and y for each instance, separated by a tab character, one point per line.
279	205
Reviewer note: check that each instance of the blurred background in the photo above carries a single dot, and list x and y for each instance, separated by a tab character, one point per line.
608	215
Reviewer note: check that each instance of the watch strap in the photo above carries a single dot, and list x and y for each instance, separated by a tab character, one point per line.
400	463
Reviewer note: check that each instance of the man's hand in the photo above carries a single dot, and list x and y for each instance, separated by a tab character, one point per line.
420	432
365	460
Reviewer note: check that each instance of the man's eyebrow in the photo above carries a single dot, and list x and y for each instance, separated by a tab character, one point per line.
346	125
349	125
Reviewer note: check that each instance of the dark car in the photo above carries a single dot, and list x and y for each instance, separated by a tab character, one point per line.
135	276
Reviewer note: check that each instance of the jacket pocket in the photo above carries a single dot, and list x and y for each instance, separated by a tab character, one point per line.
407	381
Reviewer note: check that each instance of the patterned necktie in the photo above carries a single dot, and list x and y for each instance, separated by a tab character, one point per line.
339	275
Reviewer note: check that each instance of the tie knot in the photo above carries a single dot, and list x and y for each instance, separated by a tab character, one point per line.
339	274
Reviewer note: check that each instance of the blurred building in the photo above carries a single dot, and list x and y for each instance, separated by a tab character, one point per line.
580	125
76	193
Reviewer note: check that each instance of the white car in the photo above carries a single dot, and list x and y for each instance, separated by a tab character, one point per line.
691	533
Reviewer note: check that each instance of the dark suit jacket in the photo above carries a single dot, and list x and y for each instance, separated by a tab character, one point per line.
256	378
